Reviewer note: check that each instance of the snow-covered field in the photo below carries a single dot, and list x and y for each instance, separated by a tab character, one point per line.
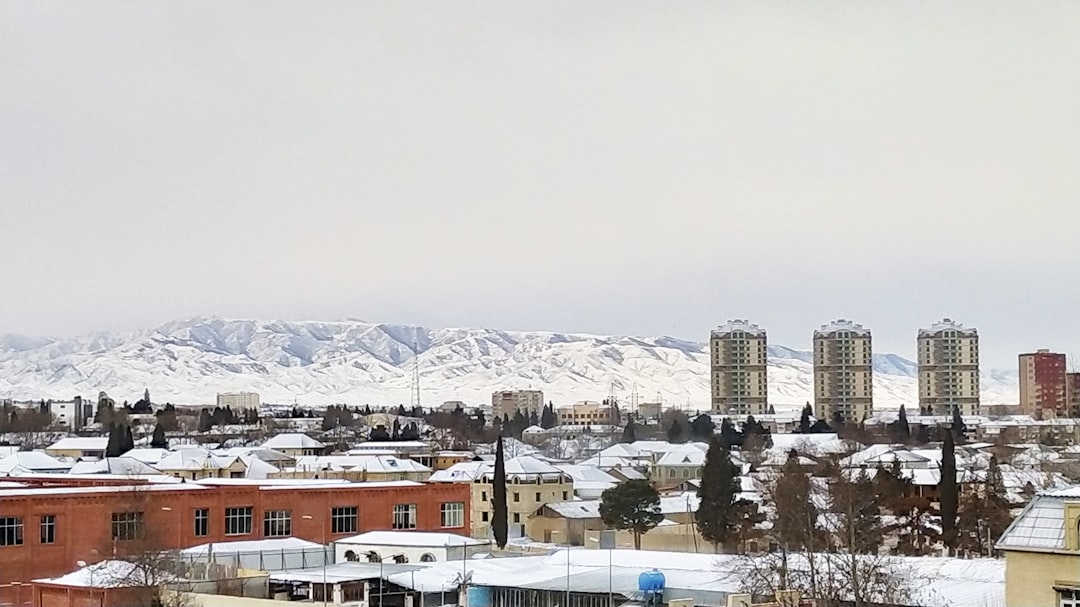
189	361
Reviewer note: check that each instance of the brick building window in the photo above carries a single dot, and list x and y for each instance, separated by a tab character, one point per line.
277	523
48	529
344	519
453	514
202	522
127	525
238	520
11	531
404	516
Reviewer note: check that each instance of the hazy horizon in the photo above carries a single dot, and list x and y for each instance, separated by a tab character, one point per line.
619	168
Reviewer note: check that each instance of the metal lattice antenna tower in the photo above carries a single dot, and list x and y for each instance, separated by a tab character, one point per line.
414	393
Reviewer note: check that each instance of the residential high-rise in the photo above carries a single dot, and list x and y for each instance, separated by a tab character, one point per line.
508	402
843	371
948	369
739	370
238	400
1042	385
1072	394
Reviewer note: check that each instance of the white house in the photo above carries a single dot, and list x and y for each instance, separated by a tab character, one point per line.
408	547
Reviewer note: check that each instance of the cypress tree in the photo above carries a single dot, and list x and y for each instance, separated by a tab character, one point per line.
114	448
716	513
499	525
948	492
158	440
129	440
804	420
629	433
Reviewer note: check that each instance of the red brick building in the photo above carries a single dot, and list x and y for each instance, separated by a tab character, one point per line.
46	530
1042	385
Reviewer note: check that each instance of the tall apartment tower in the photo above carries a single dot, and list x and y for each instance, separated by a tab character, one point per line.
843	371
948	369
739	355
1072	394
1043	389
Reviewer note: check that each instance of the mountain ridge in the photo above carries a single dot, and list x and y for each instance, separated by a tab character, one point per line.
323	362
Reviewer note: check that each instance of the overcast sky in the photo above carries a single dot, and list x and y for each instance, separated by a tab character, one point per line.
641	168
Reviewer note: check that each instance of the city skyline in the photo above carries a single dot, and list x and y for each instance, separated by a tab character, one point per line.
621	168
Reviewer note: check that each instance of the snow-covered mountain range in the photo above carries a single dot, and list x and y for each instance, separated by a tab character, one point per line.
351	361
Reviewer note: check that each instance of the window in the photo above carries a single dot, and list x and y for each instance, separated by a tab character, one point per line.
537	496
238	520
427	557
202	522
565	496
483	496
11	531
517	496
453	514
405	516
48	529
344	519
484	516
126	525
277	523
517	517
1068	597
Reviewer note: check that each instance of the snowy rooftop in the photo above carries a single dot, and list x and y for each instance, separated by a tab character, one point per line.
124	466
518	467
241	546
739	326
106	574
292	440
80	443
947	324
669	504
55	491
369	463
33	461
419	539
1041	525
837	326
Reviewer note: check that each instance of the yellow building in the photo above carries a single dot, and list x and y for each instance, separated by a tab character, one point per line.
530	485
843	371
948	357
738	352
1042	552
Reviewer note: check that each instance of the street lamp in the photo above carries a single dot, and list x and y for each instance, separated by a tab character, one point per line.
308	517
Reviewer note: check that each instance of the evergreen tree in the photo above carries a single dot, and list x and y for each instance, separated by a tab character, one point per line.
702	428
804	419
547	417
901	431
158	441
533	419
983	518
205	420
677	432
717	513
499	524
729	436
959	430
379	434
772	410
629	433
129	440
616	415
947	490
518	423
396	433
115	447
633	506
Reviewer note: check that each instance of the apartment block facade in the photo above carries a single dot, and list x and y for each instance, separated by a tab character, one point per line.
1072	393
843	371
509	402
238	400
948	356
738	353
1043	385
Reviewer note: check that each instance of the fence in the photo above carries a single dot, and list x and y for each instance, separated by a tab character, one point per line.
211	565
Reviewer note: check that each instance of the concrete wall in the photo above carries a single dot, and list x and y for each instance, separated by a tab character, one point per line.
1030	577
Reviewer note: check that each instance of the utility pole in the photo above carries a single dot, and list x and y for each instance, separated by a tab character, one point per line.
414	395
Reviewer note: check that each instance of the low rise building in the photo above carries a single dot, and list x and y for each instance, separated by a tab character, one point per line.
1042	552
412	546
508	402
78	447
45	530
530	483
295	444
586	413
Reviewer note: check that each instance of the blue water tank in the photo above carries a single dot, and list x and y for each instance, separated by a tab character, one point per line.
651	581
479	596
